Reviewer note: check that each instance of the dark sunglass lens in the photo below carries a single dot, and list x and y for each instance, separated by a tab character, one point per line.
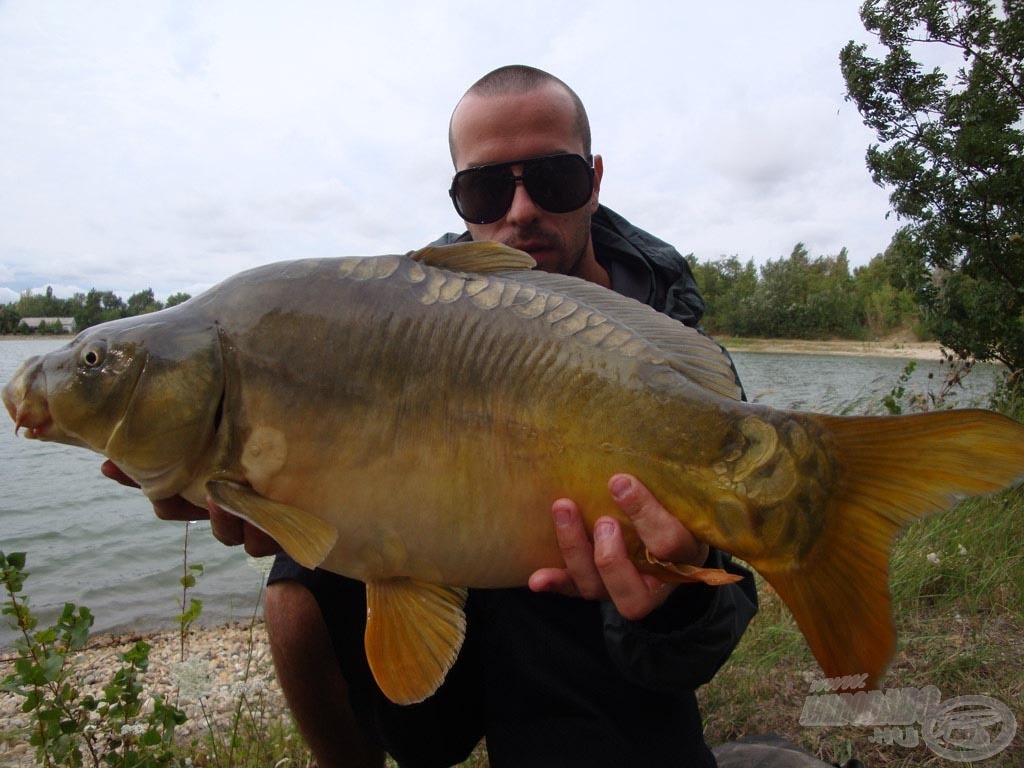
483	195
559	184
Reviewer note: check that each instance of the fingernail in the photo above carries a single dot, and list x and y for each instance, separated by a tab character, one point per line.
562	515
620	486
603	530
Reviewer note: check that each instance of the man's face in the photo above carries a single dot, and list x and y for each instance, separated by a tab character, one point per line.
500	129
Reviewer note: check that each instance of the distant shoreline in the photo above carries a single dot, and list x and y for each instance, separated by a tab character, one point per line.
909	350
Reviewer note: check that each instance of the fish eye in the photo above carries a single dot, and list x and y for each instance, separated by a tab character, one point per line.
93	354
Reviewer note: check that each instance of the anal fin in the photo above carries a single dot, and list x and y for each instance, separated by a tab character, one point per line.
414	631
681	573
305	537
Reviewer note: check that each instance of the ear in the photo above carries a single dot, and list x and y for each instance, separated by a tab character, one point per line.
598	173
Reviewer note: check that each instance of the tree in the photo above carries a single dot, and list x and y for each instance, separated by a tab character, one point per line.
177	298
951	147
886	288
98	307
801	298
9	319
48	305
727	287
142	303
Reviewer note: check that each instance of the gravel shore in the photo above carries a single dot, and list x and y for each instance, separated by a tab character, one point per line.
215	673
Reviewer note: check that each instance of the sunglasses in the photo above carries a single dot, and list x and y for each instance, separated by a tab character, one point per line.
556	183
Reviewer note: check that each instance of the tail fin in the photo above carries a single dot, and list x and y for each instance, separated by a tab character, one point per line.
892	470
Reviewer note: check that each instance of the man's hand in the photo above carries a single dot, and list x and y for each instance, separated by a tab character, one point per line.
227	528
602	570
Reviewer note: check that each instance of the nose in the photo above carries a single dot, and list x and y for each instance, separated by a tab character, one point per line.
523	209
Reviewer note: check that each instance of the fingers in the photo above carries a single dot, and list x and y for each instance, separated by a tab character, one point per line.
635	594
232	531
227	528
172	508
177	508
580	576
661	532
603	569
111	470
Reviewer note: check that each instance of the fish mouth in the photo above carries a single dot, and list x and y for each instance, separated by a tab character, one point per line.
34	417
35	433
27	406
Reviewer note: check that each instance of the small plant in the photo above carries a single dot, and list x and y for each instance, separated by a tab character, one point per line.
69	727
902	399
189	615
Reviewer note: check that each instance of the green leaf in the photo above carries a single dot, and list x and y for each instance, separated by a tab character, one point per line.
16	560
52	667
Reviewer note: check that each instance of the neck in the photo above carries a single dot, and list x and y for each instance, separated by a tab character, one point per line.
588	268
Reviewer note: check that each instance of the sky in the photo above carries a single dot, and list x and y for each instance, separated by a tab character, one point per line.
169	144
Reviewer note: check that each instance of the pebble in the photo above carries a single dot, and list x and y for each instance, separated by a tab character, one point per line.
222	663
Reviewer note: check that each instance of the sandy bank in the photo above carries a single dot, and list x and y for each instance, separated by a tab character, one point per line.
910	350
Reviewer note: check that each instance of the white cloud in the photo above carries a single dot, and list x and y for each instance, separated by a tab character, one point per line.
170	144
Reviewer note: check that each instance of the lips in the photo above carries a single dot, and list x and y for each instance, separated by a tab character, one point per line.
27	404
531	247
34	415
538	250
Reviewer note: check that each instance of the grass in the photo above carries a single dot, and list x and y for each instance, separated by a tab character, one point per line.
960	619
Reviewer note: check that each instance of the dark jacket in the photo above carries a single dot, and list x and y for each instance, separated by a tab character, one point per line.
571	682
637	258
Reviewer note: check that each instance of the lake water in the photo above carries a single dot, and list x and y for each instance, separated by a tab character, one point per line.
95	543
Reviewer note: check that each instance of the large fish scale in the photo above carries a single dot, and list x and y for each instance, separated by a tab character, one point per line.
471	415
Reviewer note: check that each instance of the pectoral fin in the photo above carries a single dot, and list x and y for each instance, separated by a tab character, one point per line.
414	631
680	573
307	538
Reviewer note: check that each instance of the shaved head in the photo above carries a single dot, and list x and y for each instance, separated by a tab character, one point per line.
517	79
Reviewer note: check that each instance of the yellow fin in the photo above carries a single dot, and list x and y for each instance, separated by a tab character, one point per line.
891	470
681	573
305	537
482	256
414	631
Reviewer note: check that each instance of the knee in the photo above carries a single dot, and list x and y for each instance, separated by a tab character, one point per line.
292	617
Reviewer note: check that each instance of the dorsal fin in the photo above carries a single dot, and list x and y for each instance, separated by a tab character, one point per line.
482	256
686	350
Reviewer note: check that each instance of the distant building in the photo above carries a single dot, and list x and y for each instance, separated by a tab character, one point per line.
67	324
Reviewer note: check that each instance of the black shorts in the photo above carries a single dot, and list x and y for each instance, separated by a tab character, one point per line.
533	676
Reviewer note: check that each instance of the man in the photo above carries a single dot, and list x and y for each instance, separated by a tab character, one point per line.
548	680
593	664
